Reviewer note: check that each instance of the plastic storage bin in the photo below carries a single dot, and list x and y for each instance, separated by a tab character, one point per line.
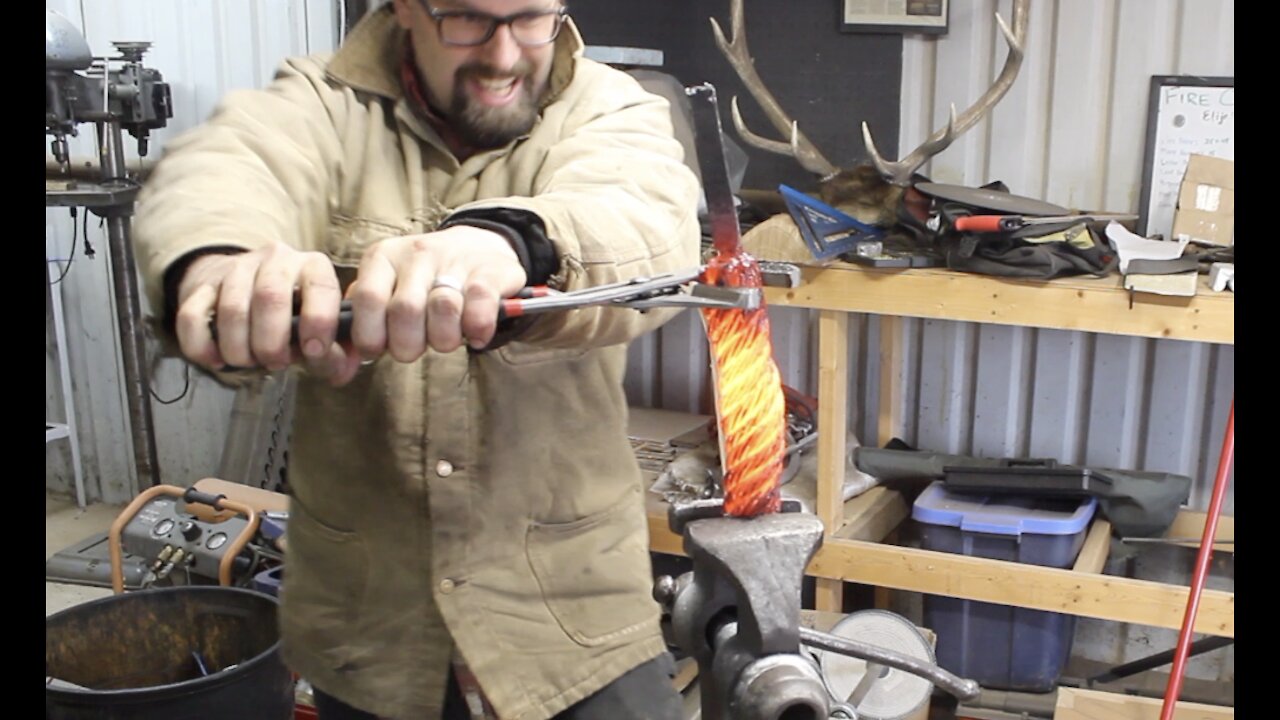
1001	646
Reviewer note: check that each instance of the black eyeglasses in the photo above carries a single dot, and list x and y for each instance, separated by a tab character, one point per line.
467	28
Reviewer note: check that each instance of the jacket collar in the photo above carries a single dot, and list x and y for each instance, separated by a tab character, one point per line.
369	59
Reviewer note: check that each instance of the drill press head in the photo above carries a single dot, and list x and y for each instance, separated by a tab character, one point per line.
80	88
65	53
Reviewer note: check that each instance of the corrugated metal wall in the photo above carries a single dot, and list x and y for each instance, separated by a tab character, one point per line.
203	48
1071	131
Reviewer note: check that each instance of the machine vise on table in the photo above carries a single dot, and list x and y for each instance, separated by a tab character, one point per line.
738	615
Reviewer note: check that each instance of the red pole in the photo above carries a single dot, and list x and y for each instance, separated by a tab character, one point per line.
1174	687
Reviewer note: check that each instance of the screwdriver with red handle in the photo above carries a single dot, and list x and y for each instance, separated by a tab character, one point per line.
1009	223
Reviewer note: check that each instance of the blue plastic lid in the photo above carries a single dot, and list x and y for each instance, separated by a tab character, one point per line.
1003	514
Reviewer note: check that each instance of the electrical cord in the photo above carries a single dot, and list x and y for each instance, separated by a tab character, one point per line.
88	249
89	252
186	385
71	258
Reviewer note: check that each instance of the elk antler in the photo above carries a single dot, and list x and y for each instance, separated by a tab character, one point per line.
899	173
740	58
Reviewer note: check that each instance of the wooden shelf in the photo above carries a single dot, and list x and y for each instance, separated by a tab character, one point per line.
854	549
1100	305
855	553
1079	704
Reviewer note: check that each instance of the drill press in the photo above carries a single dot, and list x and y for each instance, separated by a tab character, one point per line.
115	94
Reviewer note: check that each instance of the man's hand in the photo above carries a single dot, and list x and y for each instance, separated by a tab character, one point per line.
439	289
251	295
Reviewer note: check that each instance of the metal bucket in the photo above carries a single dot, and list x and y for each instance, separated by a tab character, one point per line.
182	653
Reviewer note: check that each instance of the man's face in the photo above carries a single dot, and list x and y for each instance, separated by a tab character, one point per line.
489	93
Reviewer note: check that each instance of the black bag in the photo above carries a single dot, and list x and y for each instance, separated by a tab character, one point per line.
1034	251
1138	503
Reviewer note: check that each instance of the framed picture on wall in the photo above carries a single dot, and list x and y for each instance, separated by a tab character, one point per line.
895	16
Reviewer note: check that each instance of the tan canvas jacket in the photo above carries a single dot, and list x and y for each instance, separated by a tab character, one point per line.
485	499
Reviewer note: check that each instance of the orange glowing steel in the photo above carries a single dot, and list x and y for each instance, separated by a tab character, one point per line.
749	400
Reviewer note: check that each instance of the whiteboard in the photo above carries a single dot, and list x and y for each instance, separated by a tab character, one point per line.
1185	115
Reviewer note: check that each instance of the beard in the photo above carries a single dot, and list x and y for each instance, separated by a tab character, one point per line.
482	126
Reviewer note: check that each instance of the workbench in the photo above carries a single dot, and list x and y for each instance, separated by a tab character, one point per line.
854	549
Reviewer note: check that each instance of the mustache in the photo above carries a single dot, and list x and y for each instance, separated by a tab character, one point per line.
482	71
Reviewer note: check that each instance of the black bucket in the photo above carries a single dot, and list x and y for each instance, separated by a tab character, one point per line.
182	653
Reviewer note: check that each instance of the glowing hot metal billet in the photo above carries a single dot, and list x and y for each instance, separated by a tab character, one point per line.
749	401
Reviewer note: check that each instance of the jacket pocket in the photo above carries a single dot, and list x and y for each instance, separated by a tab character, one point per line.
326	577
594	572
522	354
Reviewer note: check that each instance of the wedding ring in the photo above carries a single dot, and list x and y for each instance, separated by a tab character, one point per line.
447	281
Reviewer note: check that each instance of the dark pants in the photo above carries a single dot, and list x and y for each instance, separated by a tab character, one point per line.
643	693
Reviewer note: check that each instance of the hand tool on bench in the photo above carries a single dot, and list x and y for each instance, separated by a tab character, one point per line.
1009	223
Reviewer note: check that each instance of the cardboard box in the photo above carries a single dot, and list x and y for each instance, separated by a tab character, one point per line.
1207	202
1204	227
1207	197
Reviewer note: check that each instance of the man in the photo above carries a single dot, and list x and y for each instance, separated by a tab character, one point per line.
460	486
